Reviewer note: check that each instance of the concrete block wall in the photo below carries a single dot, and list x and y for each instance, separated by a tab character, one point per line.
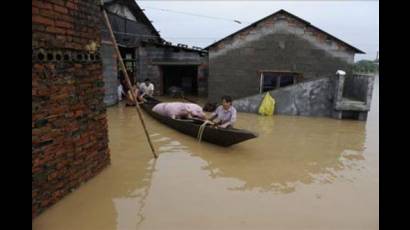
203	72
150	53
146	70
110	73
353	96
128	30
310	98
69	125
281	45
235	72
132	32
319	97
358	86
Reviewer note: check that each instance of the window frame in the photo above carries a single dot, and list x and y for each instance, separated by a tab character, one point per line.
297	77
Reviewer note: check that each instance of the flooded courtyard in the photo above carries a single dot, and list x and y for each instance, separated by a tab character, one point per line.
300	173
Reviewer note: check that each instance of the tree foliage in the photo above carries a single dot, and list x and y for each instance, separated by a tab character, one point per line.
366	66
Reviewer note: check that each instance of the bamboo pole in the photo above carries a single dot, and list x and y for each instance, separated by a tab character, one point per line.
124	70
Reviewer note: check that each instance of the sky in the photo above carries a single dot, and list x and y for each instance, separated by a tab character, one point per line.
355	22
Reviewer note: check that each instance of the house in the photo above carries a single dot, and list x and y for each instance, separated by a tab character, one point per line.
276	51
282	54
147	55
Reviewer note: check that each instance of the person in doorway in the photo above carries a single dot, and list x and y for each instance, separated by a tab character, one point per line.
225	114
147	88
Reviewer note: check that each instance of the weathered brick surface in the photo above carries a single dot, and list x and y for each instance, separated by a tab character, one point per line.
69	126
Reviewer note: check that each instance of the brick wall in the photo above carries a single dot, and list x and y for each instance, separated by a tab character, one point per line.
69	126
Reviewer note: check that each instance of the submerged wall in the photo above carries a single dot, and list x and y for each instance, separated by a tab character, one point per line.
358	87
324	97
69	125
312	98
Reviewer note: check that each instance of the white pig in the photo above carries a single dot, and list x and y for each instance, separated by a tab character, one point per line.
179	110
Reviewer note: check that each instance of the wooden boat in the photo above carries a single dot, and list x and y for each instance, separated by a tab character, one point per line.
219	136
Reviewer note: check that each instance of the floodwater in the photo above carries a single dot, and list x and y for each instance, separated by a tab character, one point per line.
300	173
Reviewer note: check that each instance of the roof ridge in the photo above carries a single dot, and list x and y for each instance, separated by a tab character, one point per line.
282	11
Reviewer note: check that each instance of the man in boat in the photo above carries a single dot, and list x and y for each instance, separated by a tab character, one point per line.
225	114
179	110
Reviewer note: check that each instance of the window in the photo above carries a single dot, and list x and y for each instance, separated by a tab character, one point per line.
286	80
270	80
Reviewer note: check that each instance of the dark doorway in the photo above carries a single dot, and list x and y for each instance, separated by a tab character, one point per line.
181	76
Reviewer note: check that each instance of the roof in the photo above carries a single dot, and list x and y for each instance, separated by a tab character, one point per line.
292	16
175	46
136	10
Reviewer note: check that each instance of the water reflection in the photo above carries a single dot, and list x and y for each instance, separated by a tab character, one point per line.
288	150
134	167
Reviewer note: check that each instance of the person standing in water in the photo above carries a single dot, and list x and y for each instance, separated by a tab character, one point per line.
224	114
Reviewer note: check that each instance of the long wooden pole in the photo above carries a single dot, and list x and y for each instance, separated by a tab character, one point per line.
127	79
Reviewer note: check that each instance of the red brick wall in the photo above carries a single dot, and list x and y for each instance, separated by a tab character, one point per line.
69	126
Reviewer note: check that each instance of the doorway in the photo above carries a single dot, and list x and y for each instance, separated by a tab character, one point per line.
184	77
128	56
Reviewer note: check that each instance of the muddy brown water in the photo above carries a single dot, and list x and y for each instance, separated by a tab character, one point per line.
300	173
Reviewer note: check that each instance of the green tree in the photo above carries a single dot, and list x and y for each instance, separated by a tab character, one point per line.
365	66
